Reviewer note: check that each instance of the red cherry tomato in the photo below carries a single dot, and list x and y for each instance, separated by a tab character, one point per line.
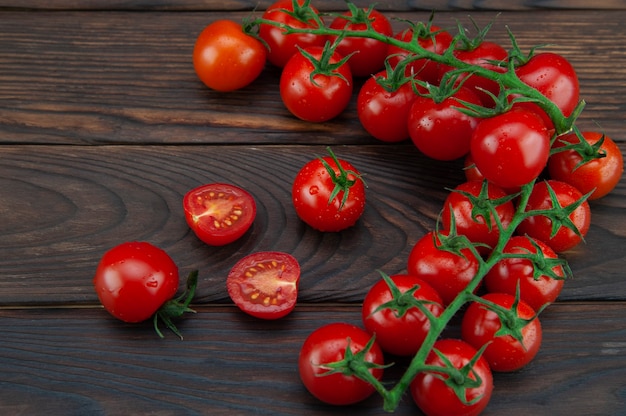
392	315
318	98
134	279
503	331
505	275
282	47
225	58
542	227
265	284
511	149
433	392
328	344
219	213
600	175
368	54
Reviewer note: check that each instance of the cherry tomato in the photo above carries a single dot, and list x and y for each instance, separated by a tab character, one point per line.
434	392
390	312
219	213
439	129
225	58
313	95
384	113
542	227
328	194
368	54
468	202
431	38
264	284
505	275
447	272
282	47
134	279
511	149
514	336
328	344
600	175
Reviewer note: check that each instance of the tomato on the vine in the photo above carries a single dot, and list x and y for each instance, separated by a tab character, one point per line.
264	284
331	344
367	54
539	281
511	149
565	201
513	336
316	84
467	392
281	47
226	58
328	193
448	268
219	213
597	167
392	313
439	129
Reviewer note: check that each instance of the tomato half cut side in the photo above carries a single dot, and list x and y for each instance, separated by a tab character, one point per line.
265	284
219	213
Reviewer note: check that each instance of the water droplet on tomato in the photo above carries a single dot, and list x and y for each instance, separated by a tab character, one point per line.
314	190
152	283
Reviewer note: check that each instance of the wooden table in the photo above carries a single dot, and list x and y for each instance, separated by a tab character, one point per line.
104	127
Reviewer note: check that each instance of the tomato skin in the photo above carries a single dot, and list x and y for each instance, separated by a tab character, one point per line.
369	54
383	114
504	353
447	272
264	284
227	59
328	344
219	213
311	192
439	130
505	275
601	174
282	47
476	230
134	279
511	149
435	398
311	102
399	335
540	227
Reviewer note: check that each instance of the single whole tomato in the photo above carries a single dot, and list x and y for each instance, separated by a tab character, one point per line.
390	312
447	272
281	46
514	336
511	149
368	55
219	213
328	344
328	194
434	393
264	284
312	88
225	58
508	273
134	279
555	234
585	170
383	113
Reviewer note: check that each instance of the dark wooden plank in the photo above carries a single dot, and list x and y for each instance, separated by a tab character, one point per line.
62	207
233	364
127	78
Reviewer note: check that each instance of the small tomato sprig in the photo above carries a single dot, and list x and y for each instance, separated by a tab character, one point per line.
176	307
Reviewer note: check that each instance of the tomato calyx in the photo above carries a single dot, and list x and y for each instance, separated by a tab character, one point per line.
341	180
176	307
354	364
402	302
585	150
542	264
323	65
357	15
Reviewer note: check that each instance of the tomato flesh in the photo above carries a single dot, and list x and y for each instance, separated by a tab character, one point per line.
265	284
